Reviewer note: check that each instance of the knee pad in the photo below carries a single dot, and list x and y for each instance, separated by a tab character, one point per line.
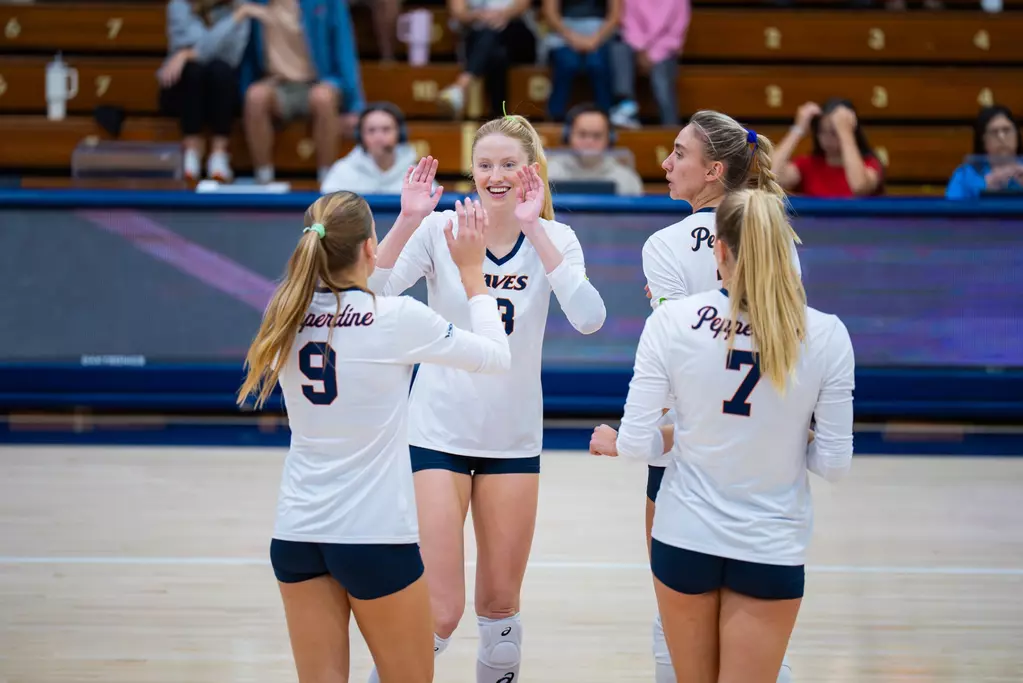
500	642
785	674
661	655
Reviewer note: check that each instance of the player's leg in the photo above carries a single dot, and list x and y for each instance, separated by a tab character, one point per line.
759	605
391	603
443	485
317	611
663	671
687	585
504	502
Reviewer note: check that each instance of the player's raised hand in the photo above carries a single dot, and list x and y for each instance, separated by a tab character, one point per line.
469	246
418	199
604	441
530	196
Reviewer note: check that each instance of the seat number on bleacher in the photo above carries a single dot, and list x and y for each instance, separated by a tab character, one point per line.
114	27
102	85
424	91
875	39
879	97
772	38
3	85
773	95
13	29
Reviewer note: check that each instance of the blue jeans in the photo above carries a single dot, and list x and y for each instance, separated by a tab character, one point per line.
565	64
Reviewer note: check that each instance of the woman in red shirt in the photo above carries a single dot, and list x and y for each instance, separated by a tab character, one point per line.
841	165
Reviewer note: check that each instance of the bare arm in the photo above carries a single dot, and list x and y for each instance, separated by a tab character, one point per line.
862	180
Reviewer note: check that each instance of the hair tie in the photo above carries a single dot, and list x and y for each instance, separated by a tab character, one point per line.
318	229
505	111
751	136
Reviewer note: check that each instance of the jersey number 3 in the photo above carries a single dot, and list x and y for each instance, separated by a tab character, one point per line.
738	404
325	372
507	309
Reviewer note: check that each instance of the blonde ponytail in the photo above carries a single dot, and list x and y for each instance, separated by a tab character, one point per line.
336	227
269	350
765	285
519	128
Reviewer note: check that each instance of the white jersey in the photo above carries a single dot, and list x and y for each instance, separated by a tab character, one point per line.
679	261
347	476
490	416
737	483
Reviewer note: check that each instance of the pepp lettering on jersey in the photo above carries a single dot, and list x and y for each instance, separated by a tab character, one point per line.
718	325
348	317
702	236
507	282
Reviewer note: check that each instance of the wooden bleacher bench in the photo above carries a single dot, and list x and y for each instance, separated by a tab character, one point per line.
293	152
747	92
921	155
819	35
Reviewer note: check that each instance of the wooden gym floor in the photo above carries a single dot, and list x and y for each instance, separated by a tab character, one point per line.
130	565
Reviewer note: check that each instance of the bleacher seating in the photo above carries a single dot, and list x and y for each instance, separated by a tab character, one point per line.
917	79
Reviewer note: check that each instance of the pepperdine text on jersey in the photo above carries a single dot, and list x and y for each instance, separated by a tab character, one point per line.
347	318
720	325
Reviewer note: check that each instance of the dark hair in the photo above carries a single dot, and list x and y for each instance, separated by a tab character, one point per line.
346	223
861	138
586	108
984	118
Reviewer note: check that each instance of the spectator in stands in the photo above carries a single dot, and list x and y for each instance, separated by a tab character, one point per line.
381	157
199	79
302	61
996	135
579	39
385	22
589	134
841	164
653	33
495	35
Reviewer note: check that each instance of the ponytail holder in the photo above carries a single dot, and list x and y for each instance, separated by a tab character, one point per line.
504	110
318	229
751	137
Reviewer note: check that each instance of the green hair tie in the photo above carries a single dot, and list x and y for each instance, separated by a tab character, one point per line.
318	229
504	110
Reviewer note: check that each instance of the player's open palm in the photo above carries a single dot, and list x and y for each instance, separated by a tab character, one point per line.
530	195
418	198
469	246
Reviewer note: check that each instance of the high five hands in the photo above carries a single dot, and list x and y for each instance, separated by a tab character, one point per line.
418	198
530	197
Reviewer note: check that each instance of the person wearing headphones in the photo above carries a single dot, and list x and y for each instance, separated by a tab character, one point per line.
589	135
380	158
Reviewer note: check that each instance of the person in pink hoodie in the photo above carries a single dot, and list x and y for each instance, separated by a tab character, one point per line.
652	35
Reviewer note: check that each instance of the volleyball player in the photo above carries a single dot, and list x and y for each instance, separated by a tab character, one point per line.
476	440
712	155
747	366
345	538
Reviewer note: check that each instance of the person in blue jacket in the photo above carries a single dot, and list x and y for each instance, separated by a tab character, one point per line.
996	135
301	61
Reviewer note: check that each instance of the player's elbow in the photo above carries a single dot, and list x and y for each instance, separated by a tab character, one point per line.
591	322
831	464
498	359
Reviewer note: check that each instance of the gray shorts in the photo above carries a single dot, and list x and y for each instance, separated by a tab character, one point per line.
292	99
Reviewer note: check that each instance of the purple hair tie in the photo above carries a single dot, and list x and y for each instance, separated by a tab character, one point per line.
751	136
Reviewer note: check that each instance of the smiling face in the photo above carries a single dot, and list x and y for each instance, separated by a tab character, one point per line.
496	160
687	170
379	133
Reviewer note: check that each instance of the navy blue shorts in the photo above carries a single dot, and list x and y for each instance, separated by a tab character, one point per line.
427	459
654	475
367	571
696	573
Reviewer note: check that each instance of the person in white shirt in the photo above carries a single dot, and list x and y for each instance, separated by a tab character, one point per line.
478	439
714	154
380	158
346	533
746	368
